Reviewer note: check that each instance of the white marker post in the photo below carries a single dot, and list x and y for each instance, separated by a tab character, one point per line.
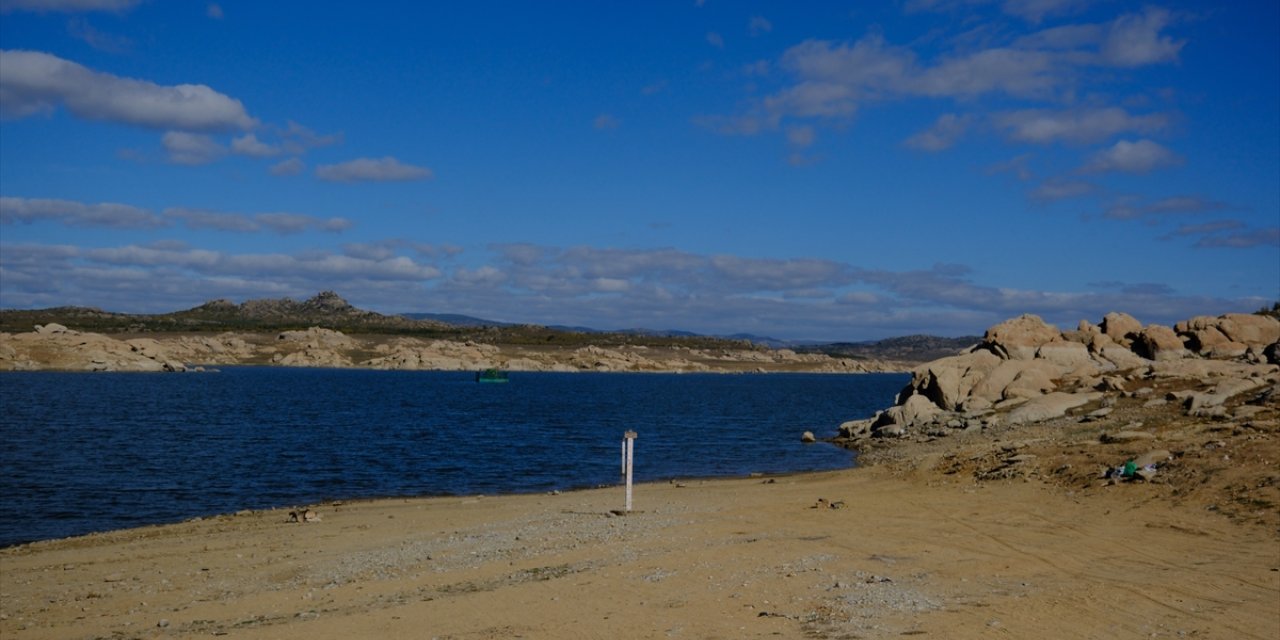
628	454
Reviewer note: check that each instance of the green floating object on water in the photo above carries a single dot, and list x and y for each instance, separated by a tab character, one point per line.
491	375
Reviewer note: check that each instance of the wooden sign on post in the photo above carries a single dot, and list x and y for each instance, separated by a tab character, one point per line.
628	454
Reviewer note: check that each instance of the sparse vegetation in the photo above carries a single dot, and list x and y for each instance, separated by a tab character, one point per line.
916	348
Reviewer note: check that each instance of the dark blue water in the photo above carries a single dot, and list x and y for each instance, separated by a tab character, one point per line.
92	452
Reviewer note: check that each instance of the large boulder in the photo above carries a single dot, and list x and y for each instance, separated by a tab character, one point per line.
1015	379
949	381
913	411
1120	327
1019	338
1066	354
1158	342
1250	329
1201	334
1048	406
1230	335
1121	357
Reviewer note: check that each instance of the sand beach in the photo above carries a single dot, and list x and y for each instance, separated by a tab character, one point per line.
877	552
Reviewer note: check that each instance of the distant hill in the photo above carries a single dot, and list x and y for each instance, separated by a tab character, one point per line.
457	319
914	348
329	310
326	309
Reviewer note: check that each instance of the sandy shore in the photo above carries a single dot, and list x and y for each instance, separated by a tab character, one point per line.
904	554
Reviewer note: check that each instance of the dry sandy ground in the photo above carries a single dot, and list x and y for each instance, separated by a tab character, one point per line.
916	554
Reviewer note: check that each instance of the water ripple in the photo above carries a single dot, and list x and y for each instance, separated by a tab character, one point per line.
90	452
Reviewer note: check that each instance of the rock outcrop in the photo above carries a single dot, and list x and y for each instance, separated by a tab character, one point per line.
75	351
1026	370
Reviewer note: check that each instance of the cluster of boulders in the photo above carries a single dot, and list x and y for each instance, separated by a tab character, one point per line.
92	352
1025	370
441	355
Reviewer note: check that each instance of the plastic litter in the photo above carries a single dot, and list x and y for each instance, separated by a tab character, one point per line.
1130	470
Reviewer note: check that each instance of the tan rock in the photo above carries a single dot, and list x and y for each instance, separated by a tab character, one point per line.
1051	405
1202	340
1198	369
949	381
916	410
1121	357
1020	338
1067	354
53	328
1029	383
1250	329
1158	342
1120	327
1226	350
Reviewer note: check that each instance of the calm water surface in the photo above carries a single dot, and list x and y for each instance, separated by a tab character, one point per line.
93	451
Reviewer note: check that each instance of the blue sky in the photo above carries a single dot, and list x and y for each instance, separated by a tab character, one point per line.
837	171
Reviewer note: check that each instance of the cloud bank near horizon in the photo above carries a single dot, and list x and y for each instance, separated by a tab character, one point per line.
601	287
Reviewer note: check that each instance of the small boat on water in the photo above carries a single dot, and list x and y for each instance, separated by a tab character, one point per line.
491	375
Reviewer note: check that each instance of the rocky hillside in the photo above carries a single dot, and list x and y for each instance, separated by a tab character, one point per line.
326	309
1193	407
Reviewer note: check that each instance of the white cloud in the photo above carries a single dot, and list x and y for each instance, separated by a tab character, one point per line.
290	167
1134	40
715	40
1131	209
66	6
1035	11
191	148
605	121
211	220
285	223
944	133
592	286
76	214
830	81
1059	189
1142	156
32	82
1015	72
298	139
1018	165
1075	126
80	28
214	10
372	170
249	145
1246	239
281	223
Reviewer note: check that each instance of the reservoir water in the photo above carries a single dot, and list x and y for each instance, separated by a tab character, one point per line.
88	452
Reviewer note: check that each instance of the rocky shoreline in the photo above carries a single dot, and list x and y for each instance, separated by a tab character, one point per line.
55	347
1194	406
